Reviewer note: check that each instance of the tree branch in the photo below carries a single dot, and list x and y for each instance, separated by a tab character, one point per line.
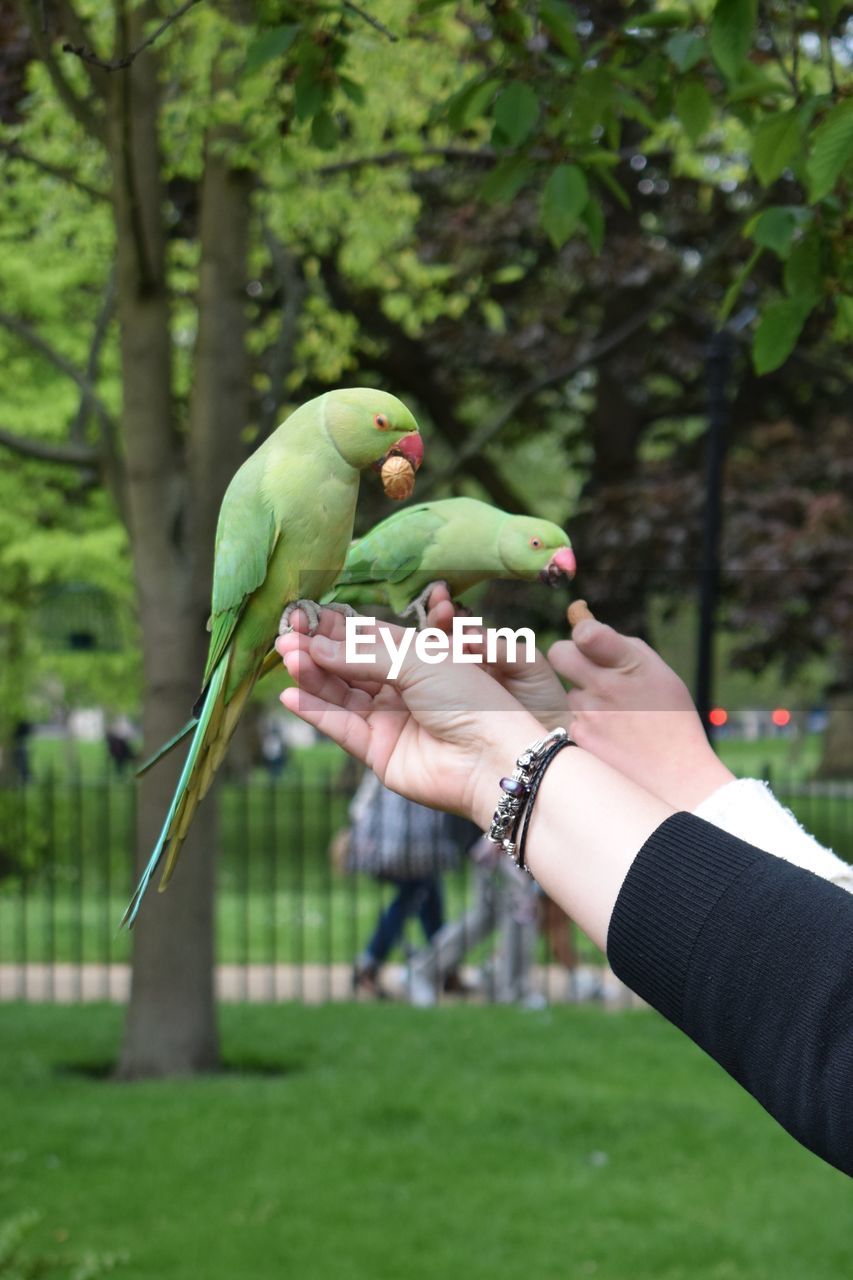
102	324
73	455
789	75
111	461
407	363
681	288
120	64
38	343
80	108
74	28
385	159
292	285
55	171
373	22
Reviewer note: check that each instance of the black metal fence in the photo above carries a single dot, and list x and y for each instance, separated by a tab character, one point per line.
289	922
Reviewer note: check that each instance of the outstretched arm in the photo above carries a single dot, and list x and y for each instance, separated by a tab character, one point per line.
749	956
444	736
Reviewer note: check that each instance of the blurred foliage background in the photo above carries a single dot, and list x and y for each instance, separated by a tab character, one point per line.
528	220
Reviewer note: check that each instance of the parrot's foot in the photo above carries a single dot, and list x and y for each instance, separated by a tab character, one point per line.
345	609
311	610
420	604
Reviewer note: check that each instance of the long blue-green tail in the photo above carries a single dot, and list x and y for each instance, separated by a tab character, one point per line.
214	689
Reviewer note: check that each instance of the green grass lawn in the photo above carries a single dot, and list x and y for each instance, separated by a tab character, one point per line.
790	759
372	1142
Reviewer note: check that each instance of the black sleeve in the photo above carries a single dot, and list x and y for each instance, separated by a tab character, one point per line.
753	959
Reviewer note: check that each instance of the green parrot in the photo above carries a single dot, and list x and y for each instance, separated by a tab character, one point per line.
284	527
458	541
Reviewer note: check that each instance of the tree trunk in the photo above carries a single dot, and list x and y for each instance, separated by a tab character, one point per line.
171	1024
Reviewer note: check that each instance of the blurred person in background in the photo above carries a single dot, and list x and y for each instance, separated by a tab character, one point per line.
409	847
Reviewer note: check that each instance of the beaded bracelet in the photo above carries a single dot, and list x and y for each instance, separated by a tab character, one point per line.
519	792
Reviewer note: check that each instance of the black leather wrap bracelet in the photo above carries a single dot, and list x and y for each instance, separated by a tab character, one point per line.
519	792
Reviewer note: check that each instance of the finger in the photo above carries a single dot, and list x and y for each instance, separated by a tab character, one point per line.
300	642
604	646
331	688
568	661
441	612
343	726
440	594
461	684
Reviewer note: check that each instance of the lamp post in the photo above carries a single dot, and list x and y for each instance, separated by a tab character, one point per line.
719	363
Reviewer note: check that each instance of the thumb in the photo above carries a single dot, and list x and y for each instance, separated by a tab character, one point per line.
604	646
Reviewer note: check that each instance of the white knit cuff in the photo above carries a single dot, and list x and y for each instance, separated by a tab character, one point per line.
748	809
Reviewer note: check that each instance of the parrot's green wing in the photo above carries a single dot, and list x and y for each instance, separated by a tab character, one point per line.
393	549
245	540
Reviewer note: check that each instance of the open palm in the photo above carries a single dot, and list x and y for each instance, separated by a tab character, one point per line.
441	735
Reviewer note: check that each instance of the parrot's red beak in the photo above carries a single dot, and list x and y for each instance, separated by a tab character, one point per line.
412	448
561	562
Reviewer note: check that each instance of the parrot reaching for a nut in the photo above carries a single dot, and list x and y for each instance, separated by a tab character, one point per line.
284	528
457	541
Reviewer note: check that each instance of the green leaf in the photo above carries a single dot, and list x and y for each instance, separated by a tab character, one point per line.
831	151
272	44
776	336
309	93
515	113
469	103
324	131
592	100
353	90
803	270
592	218
754	85
733	292
694	108
506	179
660	18
559	21
775	229
566	192
685	49
777	141
842	330
730	37
615	188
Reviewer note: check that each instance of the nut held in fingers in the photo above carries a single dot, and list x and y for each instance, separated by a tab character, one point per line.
398	478
577	611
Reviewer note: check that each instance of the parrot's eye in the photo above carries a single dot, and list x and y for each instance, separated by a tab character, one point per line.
381	422
536	543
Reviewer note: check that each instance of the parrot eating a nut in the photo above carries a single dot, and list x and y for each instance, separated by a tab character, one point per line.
283	533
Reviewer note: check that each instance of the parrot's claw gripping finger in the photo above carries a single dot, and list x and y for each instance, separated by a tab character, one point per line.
345	609
420	604
311	610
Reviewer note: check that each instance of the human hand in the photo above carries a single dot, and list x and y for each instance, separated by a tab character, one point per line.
440	734
632	711
534	684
